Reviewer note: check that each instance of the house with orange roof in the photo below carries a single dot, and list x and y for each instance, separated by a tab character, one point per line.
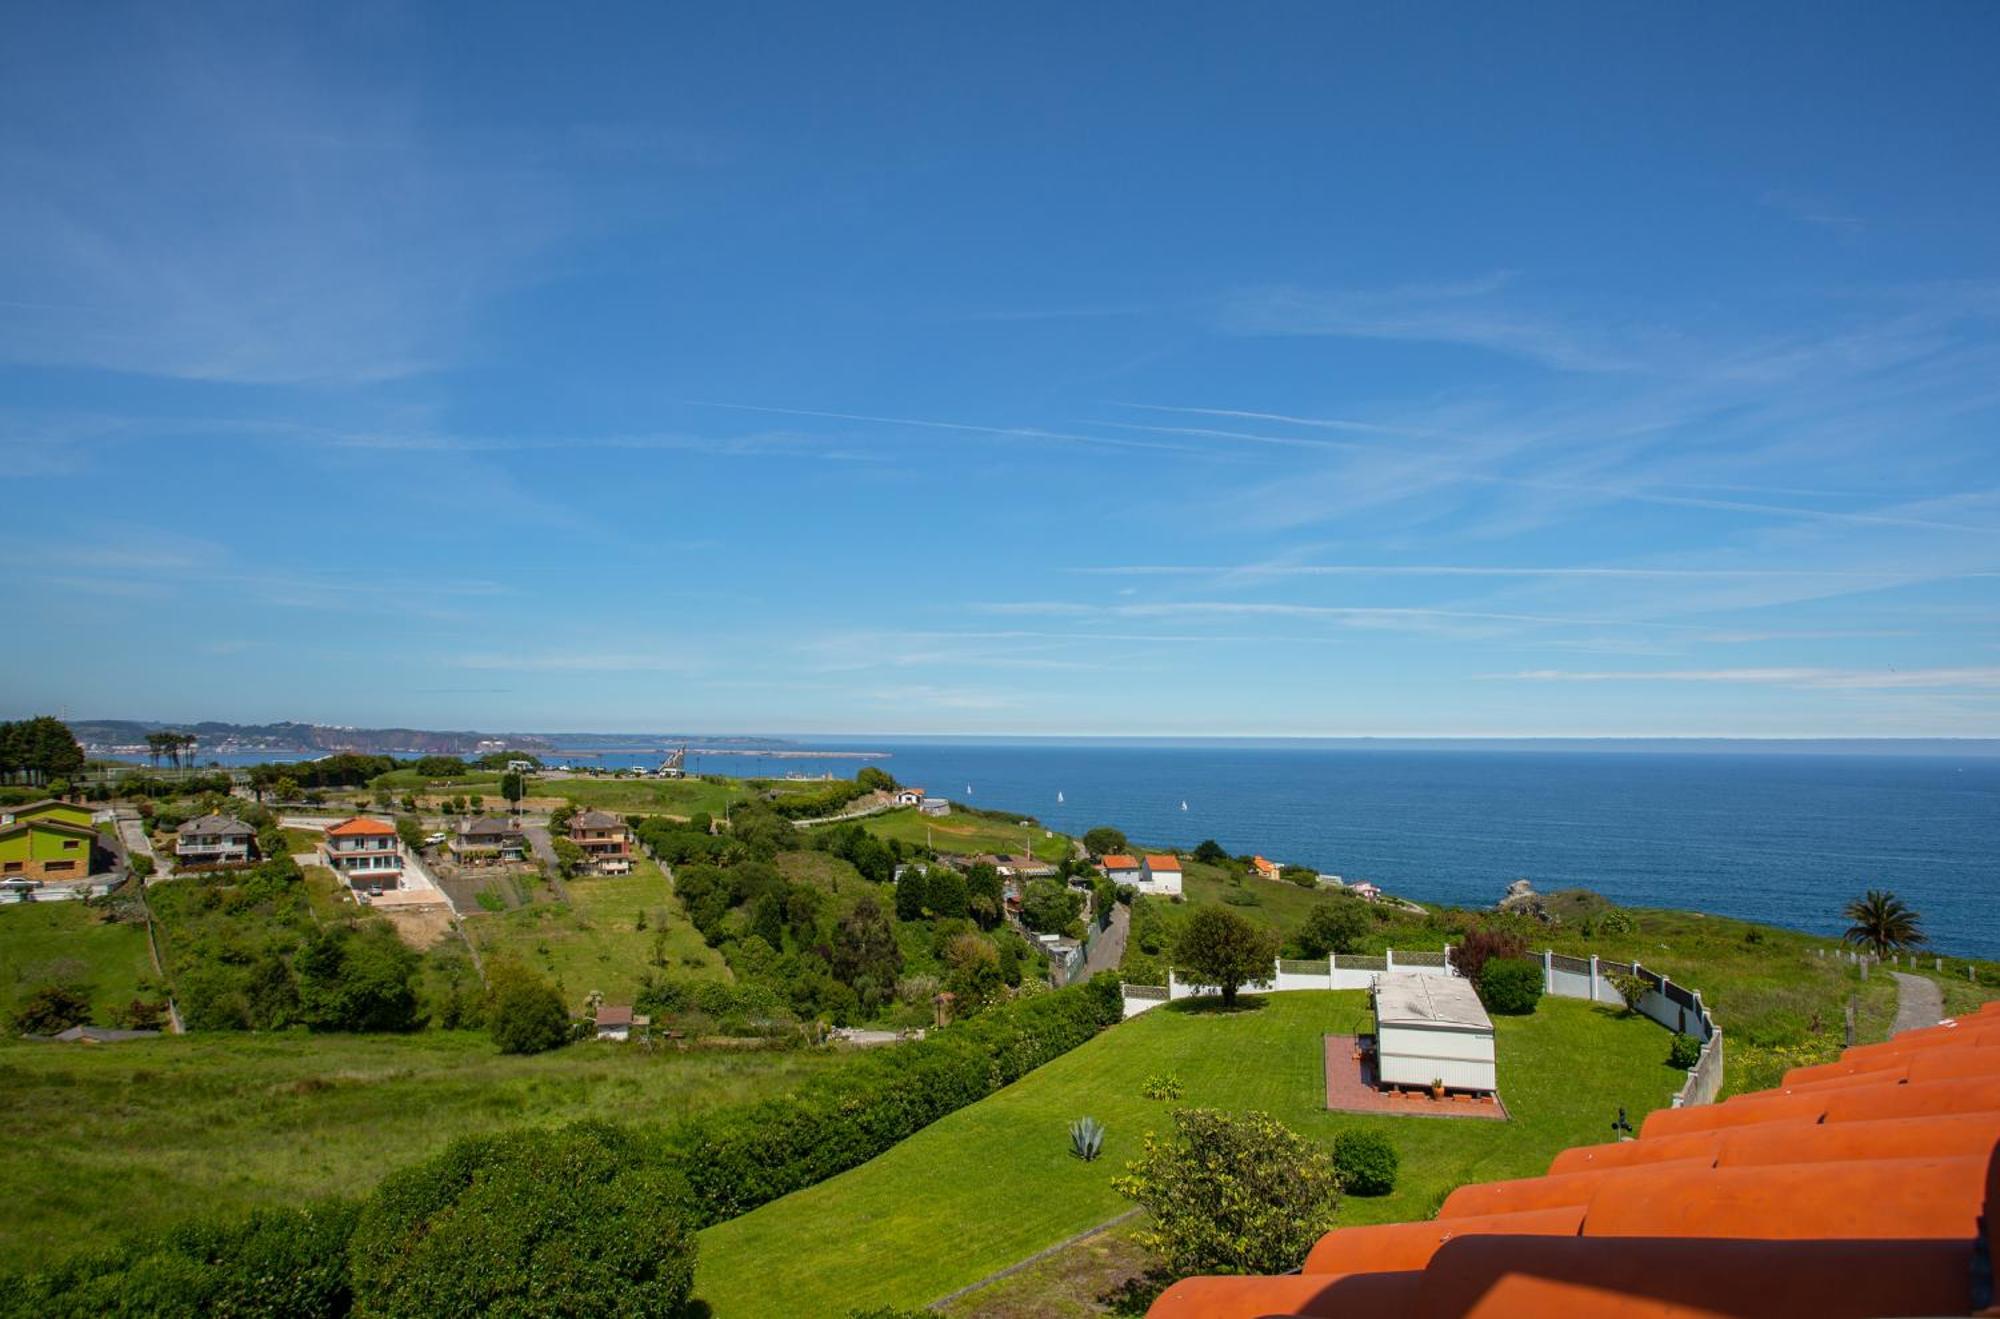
365	852
1867	1186
909	796
1121	869
1265	869
1162	875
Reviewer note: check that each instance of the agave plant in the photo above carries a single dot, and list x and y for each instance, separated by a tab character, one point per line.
1086	1138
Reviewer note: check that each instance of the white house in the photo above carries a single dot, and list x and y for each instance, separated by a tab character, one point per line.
909	796
934	806
1431	1028
1365	890
1162	876
1122	870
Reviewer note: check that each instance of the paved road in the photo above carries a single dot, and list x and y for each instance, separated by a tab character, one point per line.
132	833
1109	949
1919	1002
541	844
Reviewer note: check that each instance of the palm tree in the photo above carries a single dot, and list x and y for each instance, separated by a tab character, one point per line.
1883	923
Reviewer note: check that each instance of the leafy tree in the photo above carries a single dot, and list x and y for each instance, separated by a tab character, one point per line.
1337	925
767	920
560	817
1883	923
975	971
1366	1161
51	1010
1510	986
1104	841
570	857
911	891
1220	948
1232	1193
944	893
40	749
1482	943
357	980
1210	852
286	788
440	767
864	954
577	1221
1631	987
875	780
985	897
1048	906
410	832
524	1013
513	787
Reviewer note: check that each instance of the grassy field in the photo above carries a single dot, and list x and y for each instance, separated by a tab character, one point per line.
677	797
593	942
45	942
958	832
139	1135
994	1183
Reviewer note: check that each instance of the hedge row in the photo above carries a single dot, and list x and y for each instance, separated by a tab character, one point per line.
542	1223
738	1158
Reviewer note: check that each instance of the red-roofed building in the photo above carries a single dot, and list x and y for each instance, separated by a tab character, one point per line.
1163	876
365	852
1266	869
1862	1187
1122	870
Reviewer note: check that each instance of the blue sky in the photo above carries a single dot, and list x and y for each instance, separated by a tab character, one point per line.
1435	370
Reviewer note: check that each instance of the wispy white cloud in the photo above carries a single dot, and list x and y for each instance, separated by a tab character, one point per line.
1470	313
1830	679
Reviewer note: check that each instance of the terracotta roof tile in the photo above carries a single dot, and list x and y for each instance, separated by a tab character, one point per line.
1861	1187
360	826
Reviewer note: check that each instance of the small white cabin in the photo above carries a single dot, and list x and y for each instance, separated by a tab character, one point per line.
1432	1028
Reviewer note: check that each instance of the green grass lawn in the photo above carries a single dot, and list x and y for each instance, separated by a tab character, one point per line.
593	942
677	797
136	1136
992	1184
959	832
46	942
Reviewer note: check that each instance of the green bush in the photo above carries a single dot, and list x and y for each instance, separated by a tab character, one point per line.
526	1015
277	1263
1511	986
1366	1161
1232	1193
747	1155
575	1221
1684	1052
1162	1085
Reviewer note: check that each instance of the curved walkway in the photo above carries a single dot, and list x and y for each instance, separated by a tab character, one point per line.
1919	1002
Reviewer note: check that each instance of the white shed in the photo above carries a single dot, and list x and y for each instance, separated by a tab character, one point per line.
1430	1028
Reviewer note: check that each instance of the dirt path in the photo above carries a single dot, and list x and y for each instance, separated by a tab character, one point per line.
1919	1002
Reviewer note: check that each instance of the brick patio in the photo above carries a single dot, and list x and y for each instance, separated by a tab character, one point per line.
1351	1088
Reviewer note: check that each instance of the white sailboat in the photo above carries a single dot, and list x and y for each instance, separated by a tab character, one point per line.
1059	796
1183	805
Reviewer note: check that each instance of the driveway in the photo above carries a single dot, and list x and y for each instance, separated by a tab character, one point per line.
132	833
1919	1002
1109	948
540	844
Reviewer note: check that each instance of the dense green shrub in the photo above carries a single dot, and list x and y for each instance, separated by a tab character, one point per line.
525	1014
1337	925
1684	1052
574	1221
51	1010
1232	1193
741	1157
1366	1161
1511	986
280	1263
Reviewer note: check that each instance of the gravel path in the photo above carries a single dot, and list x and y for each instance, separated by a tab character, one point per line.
1919	1002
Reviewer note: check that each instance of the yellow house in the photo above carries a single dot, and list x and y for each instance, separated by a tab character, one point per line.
60	812
45	849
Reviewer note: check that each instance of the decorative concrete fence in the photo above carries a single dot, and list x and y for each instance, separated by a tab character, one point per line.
1676	1007
1340	971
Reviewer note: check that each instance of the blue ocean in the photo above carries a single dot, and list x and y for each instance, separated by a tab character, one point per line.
1767	836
